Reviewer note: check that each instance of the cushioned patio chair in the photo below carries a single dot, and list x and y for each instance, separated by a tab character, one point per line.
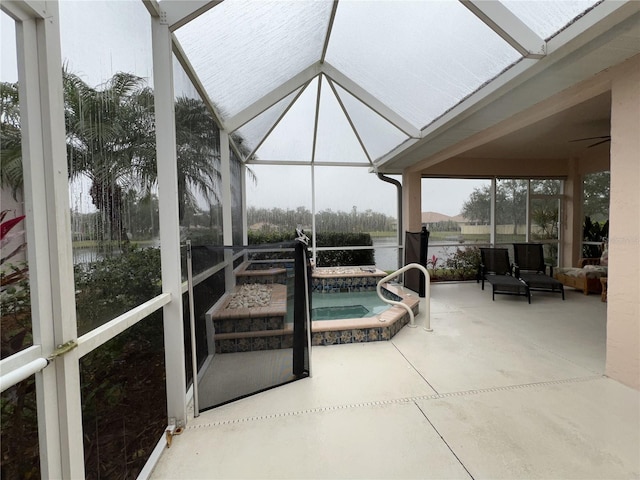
586	277
530	267
496	269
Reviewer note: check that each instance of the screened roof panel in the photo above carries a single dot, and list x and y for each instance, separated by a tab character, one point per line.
254	131
547	18
378	135
244	49
410	60
442	53
292	138
336	140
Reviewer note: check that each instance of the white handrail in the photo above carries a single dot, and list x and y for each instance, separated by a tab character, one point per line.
22	373
427	294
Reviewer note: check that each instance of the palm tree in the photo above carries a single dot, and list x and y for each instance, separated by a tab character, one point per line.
110	133
10	139
110	129
198	154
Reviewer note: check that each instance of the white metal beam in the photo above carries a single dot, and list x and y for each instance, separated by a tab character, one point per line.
225	185
56	204
299	163
24	10
177	13
35	209
271	98
275	124
169	221
315	121
98	336
370	100
506	24
353	127
327	37
243	190
227	212
193	76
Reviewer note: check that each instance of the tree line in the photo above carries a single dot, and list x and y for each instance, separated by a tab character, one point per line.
282	220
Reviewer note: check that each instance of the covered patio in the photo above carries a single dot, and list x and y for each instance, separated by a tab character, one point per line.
136	129
498	390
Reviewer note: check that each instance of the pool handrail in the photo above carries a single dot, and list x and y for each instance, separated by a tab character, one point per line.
427	294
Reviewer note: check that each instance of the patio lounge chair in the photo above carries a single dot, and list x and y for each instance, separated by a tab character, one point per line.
529	267
496	269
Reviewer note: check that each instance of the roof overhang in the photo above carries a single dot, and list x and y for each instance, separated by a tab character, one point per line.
604	37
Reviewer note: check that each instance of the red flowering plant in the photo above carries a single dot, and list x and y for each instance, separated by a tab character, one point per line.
15	303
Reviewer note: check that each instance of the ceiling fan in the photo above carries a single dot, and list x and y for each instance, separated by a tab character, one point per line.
601	139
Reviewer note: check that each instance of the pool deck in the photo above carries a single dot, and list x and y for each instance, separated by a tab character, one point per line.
499	390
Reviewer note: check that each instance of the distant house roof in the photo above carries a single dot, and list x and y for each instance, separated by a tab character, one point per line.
435	217
460	219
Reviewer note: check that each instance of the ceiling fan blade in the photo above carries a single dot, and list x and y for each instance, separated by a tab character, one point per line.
605	137
601	142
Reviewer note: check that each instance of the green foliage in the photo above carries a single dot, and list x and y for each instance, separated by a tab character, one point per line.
123	400
511	198
10	139
451	275
465	259
281	220
326	239
478	207
18	410
266	237
122	382
593	232
544	215
444	226
596	191
109	287
344	257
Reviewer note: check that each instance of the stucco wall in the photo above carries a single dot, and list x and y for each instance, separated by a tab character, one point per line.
411	202
623	309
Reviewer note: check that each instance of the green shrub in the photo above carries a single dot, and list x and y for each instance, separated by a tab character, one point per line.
326	239
111	286
467	259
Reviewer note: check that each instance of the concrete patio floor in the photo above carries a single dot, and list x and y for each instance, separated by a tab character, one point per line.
498	390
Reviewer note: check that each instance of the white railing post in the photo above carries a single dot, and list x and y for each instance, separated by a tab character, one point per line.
427	294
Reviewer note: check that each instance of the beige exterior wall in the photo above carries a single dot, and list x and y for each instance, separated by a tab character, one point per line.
412	201
486	229
623	308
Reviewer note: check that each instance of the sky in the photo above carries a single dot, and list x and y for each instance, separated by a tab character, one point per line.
337	188
340	188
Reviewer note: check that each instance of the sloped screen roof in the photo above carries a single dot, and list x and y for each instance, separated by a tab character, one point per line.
387	69
245	48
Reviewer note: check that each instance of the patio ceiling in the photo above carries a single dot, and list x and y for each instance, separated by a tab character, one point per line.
366	83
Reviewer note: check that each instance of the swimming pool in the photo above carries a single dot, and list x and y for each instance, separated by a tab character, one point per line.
342	306
336	306
346	309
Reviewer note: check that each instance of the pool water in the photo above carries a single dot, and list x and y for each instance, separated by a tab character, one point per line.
340	306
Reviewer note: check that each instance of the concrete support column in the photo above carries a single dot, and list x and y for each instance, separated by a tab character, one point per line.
571	221
411	201
623	309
